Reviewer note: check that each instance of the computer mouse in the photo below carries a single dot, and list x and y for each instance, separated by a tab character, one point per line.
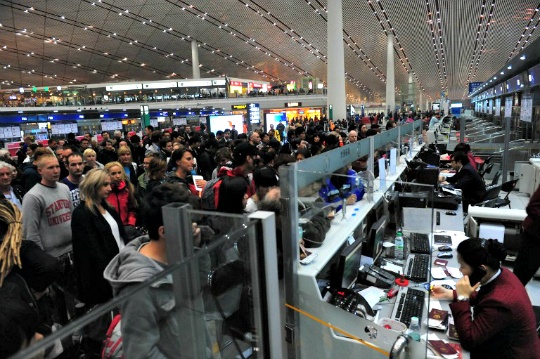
445	255
444	249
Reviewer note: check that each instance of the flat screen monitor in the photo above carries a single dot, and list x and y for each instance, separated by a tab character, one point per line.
428	176
345	272
275	119
376	237
225	122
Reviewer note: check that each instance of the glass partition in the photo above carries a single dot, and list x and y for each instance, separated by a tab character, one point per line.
331	227
216	297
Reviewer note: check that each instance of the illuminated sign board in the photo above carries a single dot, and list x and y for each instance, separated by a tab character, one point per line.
239	107
236	83
218	82
196	83
124	87
293	104
254	113
160	85
473	86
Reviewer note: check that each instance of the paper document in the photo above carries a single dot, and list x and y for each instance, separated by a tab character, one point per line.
372	295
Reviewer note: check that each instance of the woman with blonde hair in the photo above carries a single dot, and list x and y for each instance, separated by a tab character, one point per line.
97	234
126	160
90	159
122	195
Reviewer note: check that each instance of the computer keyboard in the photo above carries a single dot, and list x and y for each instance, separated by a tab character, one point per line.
409	303
417	267
419	243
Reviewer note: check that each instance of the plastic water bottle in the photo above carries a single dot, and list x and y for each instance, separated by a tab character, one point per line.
414	329
399	245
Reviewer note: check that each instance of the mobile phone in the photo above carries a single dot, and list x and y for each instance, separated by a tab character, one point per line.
477	275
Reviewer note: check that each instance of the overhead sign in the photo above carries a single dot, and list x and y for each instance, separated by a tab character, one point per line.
473	86
293	104
124	87
195	83
160	85
239	107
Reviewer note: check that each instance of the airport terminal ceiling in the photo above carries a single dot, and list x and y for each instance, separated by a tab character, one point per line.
444	44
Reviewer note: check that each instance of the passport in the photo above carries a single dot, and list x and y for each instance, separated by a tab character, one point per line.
442	348
452	332
438	319
438	314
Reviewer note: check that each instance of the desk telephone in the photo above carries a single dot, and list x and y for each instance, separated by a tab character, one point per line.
351	301
375	275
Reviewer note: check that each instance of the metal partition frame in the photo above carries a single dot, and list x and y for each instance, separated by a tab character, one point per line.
291	181
183	268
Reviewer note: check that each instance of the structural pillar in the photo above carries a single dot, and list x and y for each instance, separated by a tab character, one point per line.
390	81
411	95
420	100
195	60
336	98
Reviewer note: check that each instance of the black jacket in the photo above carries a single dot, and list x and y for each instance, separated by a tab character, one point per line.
94	247
471	184
30	176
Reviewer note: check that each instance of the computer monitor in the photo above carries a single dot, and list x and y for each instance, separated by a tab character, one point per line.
394	210
376	238
346	269
414	199
428	176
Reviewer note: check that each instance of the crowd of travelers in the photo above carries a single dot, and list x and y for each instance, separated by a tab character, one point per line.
80	219
70	207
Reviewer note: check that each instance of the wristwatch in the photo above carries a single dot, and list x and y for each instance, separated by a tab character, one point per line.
462	298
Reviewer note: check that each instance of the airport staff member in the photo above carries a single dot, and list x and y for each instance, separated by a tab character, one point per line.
435	120
466	179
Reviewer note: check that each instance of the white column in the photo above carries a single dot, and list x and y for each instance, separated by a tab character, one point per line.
411	95
390	81
336	61
195	60
420	100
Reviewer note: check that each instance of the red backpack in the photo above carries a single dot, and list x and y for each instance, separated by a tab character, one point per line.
112	345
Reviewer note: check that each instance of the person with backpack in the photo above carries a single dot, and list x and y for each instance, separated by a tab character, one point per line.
244	157
151	322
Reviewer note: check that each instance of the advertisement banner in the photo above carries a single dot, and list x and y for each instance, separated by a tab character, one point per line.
508	106
526	107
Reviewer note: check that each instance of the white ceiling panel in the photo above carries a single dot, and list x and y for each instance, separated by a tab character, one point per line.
442	44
